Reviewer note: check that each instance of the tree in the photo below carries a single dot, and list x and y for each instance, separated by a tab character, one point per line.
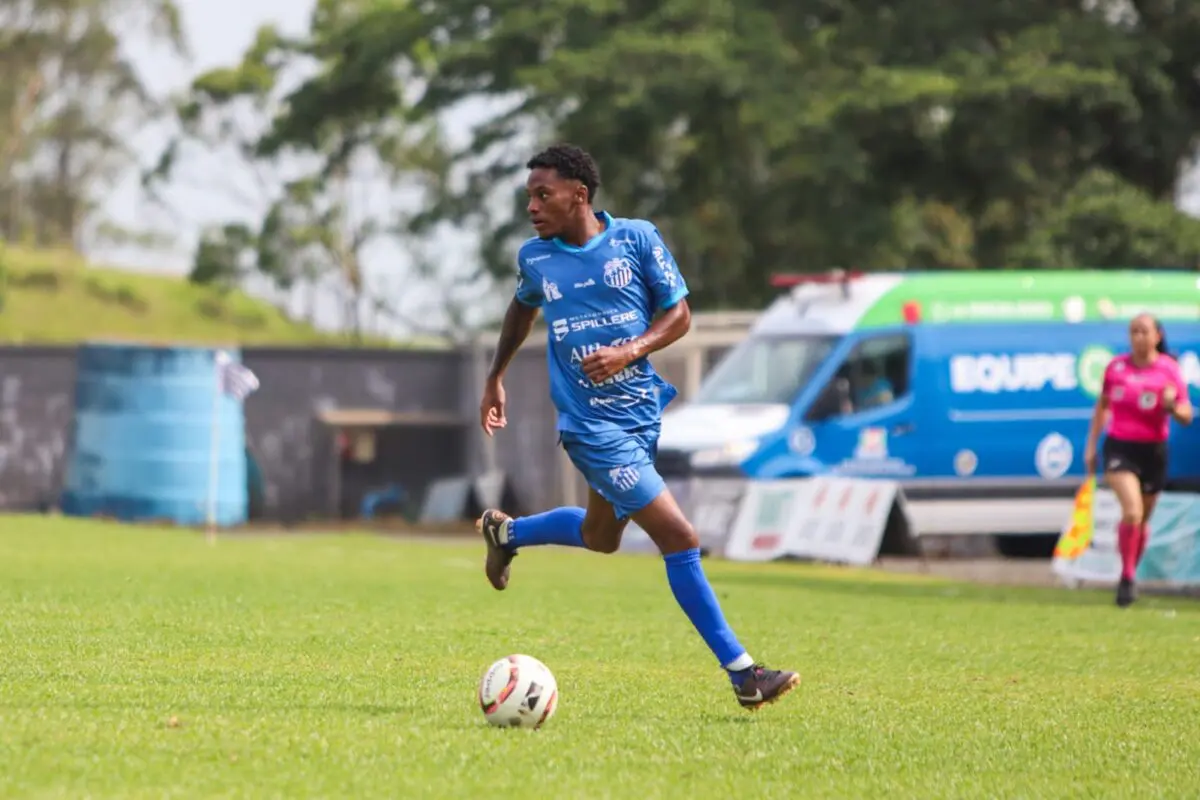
317	207
69	102
764	135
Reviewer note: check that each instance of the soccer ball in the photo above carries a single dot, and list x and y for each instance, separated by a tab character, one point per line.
518	692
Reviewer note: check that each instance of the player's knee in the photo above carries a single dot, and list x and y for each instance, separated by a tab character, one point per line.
677	538
1132	516
600	537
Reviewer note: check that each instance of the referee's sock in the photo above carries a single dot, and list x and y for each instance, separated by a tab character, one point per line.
1128	538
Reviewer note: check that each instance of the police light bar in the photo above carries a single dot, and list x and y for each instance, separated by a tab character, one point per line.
788	280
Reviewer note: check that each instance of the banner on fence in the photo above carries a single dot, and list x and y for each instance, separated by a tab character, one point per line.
1172	554
828	519
710	503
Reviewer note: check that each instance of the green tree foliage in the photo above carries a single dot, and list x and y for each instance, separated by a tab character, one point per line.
314	159
69	103
764	135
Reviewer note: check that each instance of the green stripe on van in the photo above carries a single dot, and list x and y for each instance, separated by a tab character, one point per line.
1037	296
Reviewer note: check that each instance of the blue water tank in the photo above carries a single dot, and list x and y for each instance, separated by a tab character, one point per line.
143	435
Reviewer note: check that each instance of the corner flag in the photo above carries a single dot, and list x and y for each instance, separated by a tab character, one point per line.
1076	538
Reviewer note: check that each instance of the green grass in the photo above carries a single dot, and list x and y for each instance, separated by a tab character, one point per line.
52	297
346	666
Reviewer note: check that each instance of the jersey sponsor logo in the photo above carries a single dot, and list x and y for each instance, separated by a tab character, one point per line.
535	259
582	351
562	327
660	255
618	273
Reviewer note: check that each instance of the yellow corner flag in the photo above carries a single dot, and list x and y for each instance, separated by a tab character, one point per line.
1076	538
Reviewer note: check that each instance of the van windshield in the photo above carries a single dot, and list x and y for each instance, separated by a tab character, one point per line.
764	369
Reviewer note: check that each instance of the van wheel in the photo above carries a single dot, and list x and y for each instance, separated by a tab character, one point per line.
1036	546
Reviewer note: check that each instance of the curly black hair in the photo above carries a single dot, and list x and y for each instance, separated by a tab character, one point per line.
572	163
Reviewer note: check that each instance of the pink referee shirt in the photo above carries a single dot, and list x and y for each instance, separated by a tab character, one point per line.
1135	397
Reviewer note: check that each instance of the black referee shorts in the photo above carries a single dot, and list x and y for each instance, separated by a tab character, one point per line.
1146	460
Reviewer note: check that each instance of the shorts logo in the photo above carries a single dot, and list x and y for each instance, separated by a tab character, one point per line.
624	478
618	273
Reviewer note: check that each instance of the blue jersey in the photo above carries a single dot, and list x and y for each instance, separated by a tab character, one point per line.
603	294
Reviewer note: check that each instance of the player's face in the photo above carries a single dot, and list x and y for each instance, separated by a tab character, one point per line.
553	201
1143	336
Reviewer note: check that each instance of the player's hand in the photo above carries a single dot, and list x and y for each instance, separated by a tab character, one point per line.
491	408
602	364
1089	459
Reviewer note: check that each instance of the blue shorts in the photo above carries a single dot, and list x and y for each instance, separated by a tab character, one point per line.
618	465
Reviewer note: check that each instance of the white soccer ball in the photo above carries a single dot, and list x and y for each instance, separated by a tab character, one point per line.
518	692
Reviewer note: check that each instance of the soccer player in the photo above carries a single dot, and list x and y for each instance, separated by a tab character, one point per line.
1142	391
600	281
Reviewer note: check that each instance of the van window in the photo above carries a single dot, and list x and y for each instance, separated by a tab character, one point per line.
764	369
874	374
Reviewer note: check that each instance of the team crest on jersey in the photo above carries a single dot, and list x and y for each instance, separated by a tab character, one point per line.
618	273
550	291
1147	400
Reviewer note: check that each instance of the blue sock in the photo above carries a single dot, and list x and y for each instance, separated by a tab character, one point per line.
557	526
696	598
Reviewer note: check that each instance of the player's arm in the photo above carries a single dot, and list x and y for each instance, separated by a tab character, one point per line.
668	294
669	328
1099	415
518	321
1179	405
668	291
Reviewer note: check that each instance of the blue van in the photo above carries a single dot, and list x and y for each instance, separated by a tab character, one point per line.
973	390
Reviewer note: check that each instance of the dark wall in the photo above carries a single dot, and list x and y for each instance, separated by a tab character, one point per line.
298	384
37	399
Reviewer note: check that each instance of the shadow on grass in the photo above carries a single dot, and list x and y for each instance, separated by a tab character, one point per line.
1002	595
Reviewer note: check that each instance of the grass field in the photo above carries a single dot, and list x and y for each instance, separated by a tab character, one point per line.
53	297
146	663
